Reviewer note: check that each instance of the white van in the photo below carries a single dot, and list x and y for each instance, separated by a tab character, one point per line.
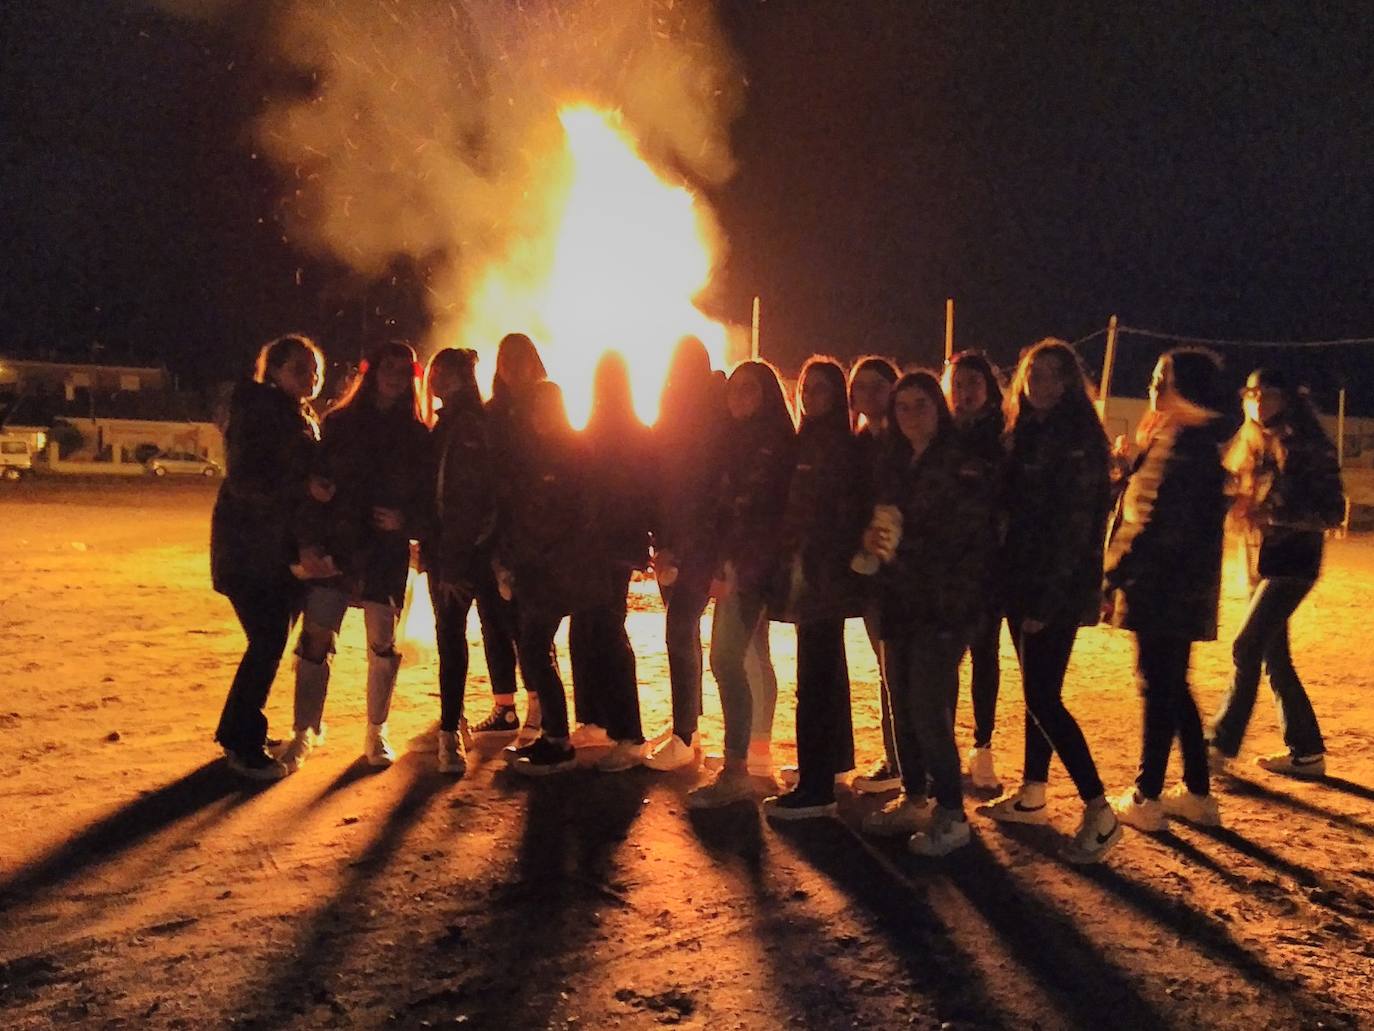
16	455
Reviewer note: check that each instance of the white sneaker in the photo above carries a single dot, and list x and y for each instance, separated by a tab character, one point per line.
673	753
1096	834
452	754
1144	814
981	770
1024	805
624	755
727	789
1294	765
880	779
589	735
297	750
1182	804
948	831
376	748
901	816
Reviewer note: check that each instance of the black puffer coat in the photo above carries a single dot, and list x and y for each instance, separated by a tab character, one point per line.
822	525
459	535
270	443
622	485
1294	495
1164	550
1057	496
938	578
375	459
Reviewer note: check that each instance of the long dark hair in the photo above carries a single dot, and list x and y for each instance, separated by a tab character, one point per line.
1079	395
461	362
689	393
978	362
276	353
516	349
613	407
773	416
363	389
1297	420
839	417
929	384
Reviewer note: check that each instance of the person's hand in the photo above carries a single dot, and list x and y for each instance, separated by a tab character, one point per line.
321	490
1032	626
317	565
387	519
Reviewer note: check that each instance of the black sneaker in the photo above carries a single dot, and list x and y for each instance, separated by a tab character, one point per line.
256	765
502	720
512	754
544	757
799	805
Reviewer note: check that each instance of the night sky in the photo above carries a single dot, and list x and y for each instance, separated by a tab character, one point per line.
1196	168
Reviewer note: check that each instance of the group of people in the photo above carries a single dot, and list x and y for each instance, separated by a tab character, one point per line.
933	506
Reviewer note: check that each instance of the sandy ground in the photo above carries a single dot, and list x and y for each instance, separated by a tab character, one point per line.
142	885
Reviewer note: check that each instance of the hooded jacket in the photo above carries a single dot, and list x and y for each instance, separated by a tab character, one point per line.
270	448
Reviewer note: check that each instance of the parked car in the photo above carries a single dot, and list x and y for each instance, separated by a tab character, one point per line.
16	457
180	463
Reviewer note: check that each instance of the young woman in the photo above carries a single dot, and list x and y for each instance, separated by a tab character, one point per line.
933	581
368	501
816	589
271	440
547	548
457	544
1163	579
975	400
1288	492
605	687
686	458
757	462
1057	494
518	369
870	386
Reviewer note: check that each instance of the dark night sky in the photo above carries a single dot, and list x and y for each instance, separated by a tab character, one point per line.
1192	167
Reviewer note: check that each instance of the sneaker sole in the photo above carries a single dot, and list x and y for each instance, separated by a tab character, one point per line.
810	812
261	776
1072	854
1297	773
510	732
529	769
378	762
713	803
864	786
1032	818
936	853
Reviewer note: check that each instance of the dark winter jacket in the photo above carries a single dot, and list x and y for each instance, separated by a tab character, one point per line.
546	532
462	491
822	525
621	481
686	474
938	578
755	470
374	459
1164	551
270	445
1294	494
1057	497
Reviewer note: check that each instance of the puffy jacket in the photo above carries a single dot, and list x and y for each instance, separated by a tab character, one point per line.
1294	495
270	444
374	458
938	577
1164	550
622	488
755	470
827	508
461	482
1057	497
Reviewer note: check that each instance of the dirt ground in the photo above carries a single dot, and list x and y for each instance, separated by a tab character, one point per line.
142	885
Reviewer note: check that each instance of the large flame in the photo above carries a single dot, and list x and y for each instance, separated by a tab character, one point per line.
627	255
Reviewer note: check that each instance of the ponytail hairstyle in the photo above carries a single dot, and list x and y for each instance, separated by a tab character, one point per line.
462	363
1079	395
363	389
276	353
828	369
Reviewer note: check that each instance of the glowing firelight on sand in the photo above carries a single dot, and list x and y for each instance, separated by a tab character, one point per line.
627	254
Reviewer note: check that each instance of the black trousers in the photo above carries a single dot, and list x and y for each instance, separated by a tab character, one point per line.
605	686
539	667
986	676
825	728
922	667
684	603
1162	663
500	627
451	641
1050	727
267	613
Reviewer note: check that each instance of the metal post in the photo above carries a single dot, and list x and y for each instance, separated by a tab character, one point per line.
754	332
1340	428
949	328
1108	362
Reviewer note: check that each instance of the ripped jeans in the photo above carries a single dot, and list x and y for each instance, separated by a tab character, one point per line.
324	611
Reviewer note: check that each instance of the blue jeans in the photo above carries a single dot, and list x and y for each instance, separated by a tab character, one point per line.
743	668
1263	641
922	667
